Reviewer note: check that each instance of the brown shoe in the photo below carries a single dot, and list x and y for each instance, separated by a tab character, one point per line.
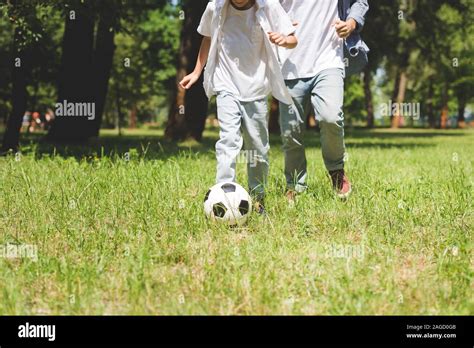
341	183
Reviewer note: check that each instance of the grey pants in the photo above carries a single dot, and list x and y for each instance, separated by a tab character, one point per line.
243	125
325	93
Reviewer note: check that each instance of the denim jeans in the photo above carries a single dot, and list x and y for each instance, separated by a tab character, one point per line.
325	94
243	125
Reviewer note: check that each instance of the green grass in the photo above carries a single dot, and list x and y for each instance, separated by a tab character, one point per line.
130	237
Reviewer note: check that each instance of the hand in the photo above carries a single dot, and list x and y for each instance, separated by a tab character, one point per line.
281	40
189	80
345	29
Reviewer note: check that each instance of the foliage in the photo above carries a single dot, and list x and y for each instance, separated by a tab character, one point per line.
144	66
431	40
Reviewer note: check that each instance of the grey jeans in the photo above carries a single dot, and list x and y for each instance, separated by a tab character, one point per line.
325	94
243	125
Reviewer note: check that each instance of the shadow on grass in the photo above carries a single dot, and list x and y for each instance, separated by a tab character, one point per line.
115	147
364	138
387	133
151	146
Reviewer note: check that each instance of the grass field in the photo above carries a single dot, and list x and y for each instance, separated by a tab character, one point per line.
126	234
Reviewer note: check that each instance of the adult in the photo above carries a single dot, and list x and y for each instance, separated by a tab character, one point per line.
314	72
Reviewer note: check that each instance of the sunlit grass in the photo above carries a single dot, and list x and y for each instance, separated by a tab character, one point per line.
120	233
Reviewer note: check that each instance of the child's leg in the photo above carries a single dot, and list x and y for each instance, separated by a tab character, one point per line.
229	113
256	144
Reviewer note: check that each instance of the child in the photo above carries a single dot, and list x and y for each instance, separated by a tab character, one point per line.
242	69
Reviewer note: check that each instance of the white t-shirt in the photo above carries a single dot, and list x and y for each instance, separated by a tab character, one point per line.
319	47
242	59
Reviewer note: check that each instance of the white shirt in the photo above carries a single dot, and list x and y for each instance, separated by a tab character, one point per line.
241	66
244	59
319	46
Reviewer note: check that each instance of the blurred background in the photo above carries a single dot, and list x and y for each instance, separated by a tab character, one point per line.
126	57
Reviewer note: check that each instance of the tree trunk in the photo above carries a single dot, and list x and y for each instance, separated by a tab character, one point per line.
274	123
461	110
429	106
118	105
20	74
402	86
188	111
197	106
176	126
76	83
103	60
133	117
444	108
396	88
369	104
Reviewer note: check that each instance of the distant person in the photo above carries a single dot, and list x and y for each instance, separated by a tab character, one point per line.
48	119
35	121
242	69
25	124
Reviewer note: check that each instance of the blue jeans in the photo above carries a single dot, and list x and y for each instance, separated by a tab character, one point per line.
243	125
325	94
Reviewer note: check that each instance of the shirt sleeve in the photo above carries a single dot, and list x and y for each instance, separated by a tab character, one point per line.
358	12
280	21
205	26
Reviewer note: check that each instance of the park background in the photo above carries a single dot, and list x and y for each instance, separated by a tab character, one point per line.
127	56
105	216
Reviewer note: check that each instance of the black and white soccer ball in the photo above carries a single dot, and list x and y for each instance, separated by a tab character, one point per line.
228	203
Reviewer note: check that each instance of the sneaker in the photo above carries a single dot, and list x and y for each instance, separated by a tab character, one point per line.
341	183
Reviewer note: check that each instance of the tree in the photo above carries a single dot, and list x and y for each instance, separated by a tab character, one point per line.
85	67
445	55
381	15
463	47
144	68
104	53
402	54
188	110
26	33
20	72
369	103
76	74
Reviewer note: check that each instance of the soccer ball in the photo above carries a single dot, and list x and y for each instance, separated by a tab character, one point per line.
228	203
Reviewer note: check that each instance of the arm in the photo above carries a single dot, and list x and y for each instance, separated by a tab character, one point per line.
358	13
344	29
289	41
189	80
282	28
355	20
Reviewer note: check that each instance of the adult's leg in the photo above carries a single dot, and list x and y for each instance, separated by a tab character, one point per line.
327	98
229	111
292	126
